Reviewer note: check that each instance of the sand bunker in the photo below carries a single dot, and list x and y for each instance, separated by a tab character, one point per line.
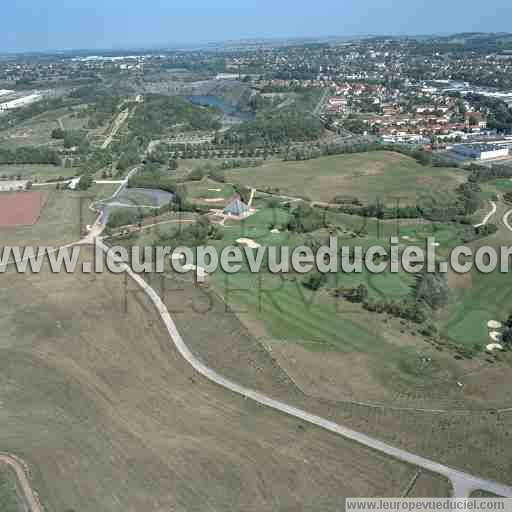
495	336
494	346
248	242
494	324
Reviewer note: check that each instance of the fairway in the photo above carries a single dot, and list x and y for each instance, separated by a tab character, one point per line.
108	416
369	177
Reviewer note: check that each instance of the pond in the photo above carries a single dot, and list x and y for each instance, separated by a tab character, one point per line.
231	112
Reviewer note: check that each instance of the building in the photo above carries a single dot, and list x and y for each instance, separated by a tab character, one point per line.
481	151
475	120
20	102
236	207
14	186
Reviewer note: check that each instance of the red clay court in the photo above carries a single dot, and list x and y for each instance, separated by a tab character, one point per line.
20	208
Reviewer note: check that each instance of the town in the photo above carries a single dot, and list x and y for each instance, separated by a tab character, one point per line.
201	388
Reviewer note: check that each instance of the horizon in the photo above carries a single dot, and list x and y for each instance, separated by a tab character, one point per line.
204	44
57	26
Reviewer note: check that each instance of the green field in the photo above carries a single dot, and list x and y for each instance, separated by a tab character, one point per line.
289	313
207	189
11	499
478	298
369	177
36	172
502	185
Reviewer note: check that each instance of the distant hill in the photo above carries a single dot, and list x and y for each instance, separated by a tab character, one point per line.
481	39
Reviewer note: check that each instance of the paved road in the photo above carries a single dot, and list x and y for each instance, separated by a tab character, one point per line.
488	216
506	221
463	483
30	495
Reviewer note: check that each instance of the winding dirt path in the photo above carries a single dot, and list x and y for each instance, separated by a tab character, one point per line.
30	495
486	219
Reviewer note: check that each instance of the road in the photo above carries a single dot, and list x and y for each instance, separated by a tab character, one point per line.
463	484
505	220
317	110
486	219
118	122
30	495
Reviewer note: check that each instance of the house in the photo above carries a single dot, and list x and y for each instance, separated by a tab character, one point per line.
475	120
236	207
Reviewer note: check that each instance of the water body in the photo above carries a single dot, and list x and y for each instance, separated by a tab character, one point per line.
231	112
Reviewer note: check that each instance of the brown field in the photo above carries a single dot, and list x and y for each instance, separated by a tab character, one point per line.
108	416
20	208
61	221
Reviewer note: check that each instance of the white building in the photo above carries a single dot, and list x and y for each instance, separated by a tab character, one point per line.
481	151
13	186
20	102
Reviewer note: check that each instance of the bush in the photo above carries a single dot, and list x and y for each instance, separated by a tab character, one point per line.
314	281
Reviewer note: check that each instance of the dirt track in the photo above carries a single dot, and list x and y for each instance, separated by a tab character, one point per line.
30	495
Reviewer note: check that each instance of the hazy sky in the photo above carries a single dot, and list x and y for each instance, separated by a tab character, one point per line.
66	24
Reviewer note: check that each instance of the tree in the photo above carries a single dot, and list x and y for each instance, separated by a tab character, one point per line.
314	281
85	182
58	133
432	289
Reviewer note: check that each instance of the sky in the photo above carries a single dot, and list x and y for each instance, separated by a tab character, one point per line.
40	25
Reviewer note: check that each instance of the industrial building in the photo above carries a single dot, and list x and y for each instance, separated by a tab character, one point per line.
20	102
481	151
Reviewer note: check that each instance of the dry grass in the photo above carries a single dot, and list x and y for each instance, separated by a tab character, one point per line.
379	175
442	436
109	417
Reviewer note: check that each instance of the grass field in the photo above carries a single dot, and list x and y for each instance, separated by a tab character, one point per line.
503	185
322	381
11	499
36	172
33	132
374	176
109	417
209	192
333	348
480	297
